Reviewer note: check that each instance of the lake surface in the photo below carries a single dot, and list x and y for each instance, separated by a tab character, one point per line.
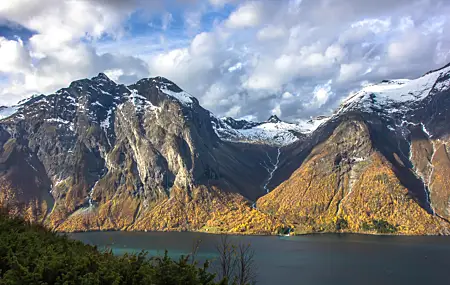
307	260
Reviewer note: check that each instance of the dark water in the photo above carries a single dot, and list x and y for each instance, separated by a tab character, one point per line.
312	259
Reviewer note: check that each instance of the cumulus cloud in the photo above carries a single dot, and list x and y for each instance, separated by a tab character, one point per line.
14	57
296	58
271	33
246	16
59	50
349	71
321	94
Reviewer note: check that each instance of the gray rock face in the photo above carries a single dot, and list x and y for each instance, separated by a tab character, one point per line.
100	155
97	141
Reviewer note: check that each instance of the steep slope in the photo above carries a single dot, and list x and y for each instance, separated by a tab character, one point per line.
103	156
379	164
111	155
347	183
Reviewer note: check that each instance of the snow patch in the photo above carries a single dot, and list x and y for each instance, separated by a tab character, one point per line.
182	96
106	123
57	120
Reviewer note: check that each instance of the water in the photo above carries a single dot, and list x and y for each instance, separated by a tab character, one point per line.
311	259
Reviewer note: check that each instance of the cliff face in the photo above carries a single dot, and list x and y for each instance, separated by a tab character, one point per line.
380	164
103	156
347	184
99	155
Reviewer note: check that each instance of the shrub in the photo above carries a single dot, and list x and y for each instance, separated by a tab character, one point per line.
380	226
341	224
30	254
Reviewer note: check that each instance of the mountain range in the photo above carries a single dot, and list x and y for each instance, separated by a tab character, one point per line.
104	156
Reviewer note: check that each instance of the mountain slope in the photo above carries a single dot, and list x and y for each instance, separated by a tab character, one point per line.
109	155
380	159
103	156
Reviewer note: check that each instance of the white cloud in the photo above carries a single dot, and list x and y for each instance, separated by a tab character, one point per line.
237	66
270	33
233	112
335	52
410	46
406	23
219	3
287	95
14	57
294	6
263	81
321	94
203	44
375	25
248	15
350	71
114	74
276	110
193	19
59	51
247	62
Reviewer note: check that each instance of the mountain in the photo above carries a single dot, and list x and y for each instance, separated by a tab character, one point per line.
380	163
272	132
103	156
98	155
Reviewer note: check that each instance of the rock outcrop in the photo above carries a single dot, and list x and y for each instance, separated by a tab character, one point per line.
103	156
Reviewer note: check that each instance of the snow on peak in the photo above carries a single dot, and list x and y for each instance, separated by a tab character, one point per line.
383	94
140	102
172	90
272	132
182	96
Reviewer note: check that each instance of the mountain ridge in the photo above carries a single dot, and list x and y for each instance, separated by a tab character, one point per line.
148	157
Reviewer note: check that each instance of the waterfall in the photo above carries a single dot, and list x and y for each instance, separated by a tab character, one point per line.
271	168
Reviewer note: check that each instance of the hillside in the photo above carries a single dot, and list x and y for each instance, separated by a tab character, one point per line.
103	156
33	255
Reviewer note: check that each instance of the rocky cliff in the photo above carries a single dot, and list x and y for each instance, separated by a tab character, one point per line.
103	156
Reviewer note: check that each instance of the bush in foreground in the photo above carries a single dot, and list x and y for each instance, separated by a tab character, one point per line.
30	254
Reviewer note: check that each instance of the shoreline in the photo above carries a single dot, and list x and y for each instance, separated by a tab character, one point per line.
259	235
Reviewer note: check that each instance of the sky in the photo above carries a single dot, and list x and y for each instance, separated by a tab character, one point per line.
246	59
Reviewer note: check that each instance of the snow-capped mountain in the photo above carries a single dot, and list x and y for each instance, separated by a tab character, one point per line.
382	156
397	96
99	155
273	132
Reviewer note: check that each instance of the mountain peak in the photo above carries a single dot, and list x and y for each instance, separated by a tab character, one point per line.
101	77
164	82
273	119
435	70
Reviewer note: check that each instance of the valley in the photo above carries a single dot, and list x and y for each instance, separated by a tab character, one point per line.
148	157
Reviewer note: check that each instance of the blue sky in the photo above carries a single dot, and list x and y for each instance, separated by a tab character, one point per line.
292	58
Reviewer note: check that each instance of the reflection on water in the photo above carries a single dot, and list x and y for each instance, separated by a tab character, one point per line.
310	259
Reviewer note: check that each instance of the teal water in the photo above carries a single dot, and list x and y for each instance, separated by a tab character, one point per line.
311	259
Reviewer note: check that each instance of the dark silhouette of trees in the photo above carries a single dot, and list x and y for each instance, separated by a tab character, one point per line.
236	262
31	254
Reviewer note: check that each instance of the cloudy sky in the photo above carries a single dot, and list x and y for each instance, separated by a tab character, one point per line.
292	58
